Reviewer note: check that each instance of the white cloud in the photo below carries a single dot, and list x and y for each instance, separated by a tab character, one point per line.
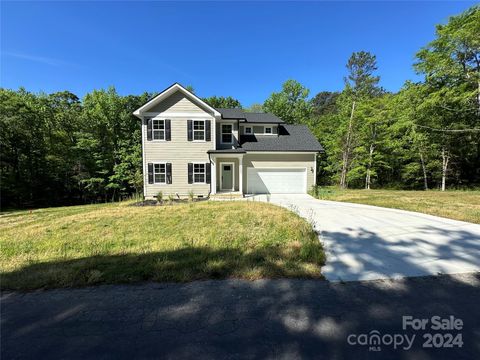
38	59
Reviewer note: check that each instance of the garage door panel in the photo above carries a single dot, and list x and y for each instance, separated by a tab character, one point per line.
276	181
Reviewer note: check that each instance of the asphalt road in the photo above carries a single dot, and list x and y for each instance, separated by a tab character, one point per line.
267	319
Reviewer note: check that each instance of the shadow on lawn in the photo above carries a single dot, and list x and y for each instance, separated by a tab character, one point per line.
185	264
283	318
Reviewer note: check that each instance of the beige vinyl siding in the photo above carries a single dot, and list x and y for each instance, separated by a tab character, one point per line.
282	160
178	102
219	135
179	152
235	162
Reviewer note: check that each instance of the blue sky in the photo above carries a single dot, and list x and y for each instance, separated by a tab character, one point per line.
245	50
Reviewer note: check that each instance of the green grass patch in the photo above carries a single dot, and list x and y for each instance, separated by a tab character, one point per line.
116	243
454	204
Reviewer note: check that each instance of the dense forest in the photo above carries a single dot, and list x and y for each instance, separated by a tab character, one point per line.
58	149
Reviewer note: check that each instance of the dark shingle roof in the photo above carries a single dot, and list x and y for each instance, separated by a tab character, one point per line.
263	118
290	138
232	113
249	117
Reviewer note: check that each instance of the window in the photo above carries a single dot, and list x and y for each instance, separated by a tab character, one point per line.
268	130
159	173
198	173
198	130
248	130
227	136
158	129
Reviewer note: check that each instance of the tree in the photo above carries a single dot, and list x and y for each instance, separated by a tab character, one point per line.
37	137
451	65
377	117
290	104
109	145
324	103
452	61
255	108
360	85
361	81
223	102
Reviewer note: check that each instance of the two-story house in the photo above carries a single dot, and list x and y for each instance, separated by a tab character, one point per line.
188	145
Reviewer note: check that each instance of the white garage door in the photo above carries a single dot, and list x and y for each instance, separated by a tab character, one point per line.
276	181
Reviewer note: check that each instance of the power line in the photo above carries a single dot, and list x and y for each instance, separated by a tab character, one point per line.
448	130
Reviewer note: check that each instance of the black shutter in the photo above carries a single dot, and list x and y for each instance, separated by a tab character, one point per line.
190	173
149	129
168	132
208	136
190	130
150	173
208	173
169	172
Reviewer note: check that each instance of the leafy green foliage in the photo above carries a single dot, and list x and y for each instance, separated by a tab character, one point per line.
361	81
58	150
223	102
325	102
405	140
290	104
255	108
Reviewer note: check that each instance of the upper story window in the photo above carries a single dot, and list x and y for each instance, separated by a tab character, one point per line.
248	130
199	130
227	136
268	130
159	173
158	129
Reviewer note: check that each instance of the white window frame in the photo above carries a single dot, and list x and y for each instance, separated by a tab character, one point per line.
159	130
204	130
222	133
245	130
265	130
165	172
204	173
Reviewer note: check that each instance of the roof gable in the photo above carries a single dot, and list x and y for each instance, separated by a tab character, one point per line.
156	102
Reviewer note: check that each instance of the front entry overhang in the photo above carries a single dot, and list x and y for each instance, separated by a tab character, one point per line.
218	157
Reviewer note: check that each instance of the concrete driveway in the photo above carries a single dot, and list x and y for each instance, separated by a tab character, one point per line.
368	242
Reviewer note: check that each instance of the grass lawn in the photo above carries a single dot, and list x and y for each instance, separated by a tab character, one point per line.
117	243
458	205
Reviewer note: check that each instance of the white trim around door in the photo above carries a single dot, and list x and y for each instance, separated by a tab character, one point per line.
232	164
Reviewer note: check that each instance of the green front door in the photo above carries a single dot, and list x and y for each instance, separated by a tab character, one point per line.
227	177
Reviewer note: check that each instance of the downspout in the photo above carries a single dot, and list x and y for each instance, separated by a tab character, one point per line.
210	189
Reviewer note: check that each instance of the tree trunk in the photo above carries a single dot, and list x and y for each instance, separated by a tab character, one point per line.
478	96
424	169
445	159
369	167
346	151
